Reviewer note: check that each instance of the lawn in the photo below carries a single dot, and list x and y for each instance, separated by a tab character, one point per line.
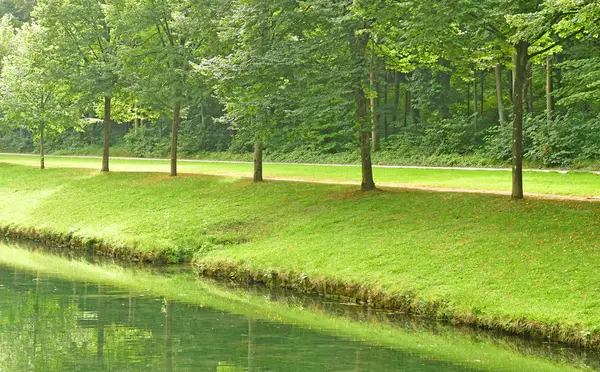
479	254
572	183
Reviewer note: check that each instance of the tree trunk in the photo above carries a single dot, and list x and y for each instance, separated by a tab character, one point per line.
374	138
406	106
510	85
416	115
469	99
107	123
522	57
360	100
501	116
549	98
482	90
258	162
475	94
174	137
528	93
513	76
396	98
42	163
385	105
444	98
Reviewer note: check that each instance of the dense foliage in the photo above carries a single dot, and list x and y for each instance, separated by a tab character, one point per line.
421	82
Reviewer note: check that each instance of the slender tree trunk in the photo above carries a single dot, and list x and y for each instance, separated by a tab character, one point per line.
501	116
510	85
396	98
174	137
360	100
482	90
385	104
406	107
416	115
258	162
475	94
42	162
528	93
549	98
522	57
469	99
374	138
445	98
107	123
513	77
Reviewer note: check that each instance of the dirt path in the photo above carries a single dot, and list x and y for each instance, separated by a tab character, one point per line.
562	171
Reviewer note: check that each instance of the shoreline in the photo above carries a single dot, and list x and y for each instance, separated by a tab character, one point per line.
408	303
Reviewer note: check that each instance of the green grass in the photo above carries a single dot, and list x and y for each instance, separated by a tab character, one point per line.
443	344
484	255
572	183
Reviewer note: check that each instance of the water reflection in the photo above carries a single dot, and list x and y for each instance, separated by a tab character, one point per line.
48	324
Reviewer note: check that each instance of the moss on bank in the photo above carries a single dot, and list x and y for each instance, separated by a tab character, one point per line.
407	303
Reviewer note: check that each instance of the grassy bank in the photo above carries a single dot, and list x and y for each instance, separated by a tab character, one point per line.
438	343
573	183
476	259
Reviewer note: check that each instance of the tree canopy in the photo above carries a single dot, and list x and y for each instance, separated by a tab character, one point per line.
502	80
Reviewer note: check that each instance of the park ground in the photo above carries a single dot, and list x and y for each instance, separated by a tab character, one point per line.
548	184
473	257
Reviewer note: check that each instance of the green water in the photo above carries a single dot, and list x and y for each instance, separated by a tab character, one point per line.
51	320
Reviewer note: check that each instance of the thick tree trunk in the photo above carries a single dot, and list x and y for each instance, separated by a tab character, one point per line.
107	123
42	162
549	98
374	138
522	57
501	116
174	137
258	162
360	100
396	97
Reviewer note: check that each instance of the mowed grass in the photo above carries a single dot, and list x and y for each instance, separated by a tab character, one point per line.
485	255
572	183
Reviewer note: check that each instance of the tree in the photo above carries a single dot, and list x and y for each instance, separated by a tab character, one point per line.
163	41
33	92
86	46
